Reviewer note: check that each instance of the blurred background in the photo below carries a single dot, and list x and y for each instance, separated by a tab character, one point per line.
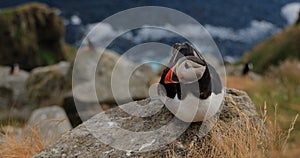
259	41
233	34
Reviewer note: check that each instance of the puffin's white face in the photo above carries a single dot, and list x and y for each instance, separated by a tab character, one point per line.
189	71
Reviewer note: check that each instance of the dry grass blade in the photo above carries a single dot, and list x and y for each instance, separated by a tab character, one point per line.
243	137
292	125
27	144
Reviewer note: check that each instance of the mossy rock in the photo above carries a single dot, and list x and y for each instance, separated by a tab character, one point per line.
44	88
31	35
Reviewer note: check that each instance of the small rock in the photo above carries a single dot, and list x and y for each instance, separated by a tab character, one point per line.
45	85
52	122
12	87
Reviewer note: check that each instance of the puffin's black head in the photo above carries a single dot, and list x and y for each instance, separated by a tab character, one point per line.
188	72
186	65
187	68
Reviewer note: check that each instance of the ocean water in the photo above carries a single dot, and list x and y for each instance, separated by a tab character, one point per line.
235	25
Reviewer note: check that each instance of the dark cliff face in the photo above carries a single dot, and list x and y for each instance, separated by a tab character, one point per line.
298	20
31	35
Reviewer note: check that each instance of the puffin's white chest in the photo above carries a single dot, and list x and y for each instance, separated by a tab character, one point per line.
193	109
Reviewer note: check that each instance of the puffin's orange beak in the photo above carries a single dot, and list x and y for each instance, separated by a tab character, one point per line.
171	76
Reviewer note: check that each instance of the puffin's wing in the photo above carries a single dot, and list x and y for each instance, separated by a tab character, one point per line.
216	83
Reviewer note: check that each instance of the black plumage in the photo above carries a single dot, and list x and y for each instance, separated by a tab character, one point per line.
209	83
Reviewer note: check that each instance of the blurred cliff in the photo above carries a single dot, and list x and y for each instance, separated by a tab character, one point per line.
273	51
32	35
32	39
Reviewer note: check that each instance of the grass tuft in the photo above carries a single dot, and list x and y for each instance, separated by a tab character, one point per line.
244	137
16	146
29	142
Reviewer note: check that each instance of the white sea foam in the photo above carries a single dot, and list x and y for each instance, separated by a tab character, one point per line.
290	12
255	31
149	33
101	32
75	20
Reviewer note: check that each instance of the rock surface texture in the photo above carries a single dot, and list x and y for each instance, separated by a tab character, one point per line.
81	141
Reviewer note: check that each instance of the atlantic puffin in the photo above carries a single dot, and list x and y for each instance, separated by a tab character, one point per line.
192	88
247	68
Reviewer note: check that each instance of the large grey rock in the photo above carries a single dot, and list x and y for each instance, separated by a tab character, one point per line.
12	87
62	67
52	122
45	85
104	80
6	97
81	141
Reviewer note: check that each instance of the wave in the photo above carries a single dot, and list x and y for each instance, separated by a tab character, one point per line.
99	33
256	31
148	33
290	12
75	20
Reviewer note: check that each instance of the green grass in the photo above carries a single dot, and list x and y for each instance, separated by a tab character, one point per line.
280	87
46	56
69	52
